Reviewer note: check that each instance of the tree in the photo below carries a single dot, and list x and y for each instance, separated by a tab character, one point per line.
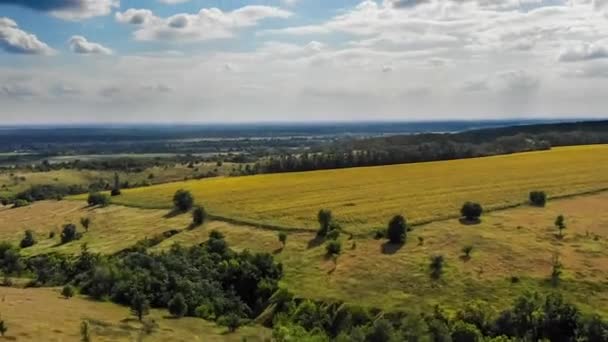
177	305
325	218
538	198
436	266
139	306
282	238
471	211
28	240
96	198
69	233
183	200
465	332
85	335
231	321
397	229
3	327
116	188
333	247
199	215
560	224
381	331
67	292
85	222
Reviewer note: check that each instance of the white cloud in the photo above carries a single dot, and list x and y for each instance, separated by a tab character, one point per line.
69	9
79	44
173	2
207	24
583	52
15	40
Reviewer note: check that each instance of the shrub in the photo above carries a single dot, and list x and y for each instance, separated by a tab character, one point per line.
52	235
466	250
85	335
99	199
115	192
538	198
20	203
465	332
560	224
436	266
231	321
471	211
183	200
333	247
3	328
85	222
199	215
397	229
325	218
139	306
282	238
69	233
67	292
333	233
28	240
177	305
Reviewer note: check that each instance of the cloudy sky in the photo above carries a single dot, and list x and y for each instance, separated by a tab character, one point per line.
298	60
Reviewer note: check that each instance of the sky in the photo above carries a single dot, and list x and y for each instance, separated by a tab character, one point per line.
175	61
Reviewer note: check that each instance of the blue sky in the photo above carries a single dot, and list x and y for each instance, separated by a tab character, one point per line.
298	60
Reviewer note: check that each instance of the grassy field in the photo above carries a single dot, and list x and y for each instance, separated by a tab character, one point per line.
366	198
43	315
518	242
15	181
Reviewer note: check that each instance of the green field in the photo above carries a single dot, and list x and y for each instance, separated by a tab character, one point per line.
365	198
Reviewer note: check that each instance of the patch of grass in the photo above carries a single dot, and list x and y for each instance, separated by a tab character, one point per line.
365	198
43	314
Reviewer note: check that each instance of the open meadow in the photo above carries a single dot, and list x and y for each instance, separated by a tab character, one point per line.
365	198
512	252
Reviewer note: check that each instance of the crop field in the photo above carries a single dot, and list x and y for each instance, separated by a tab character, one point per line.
365	198
42	314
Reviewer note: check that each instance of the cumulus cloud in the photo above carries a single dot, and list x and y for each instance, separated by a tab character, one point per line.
583	52
15	40
207	24
80	45
69	9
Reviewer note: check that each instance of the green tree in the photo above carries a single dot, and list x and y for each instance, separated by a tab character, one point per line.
465	332
538	198
96	198
69	233
471	211
67	292
177	305
85	222
140	306
282	238
560	224
199	215
381	331
325	219
183	200
28	239
397	229
116	188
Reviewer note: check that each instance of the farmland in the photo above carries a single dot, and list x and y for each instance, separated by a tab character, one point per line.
365	198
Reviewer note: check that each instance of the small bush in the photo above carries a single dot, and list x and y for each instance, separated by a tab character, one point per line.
85	222
333	247
52	235
538	198
183	200
436	266
115	192
466	250
231	321
69	233
333	234
99	199
325	219
282	238
3	328
199	216
67	292
471	211
28	240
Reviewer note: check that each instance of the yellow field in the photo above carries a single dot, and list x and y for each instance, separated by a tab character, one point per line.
43	315
365	198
